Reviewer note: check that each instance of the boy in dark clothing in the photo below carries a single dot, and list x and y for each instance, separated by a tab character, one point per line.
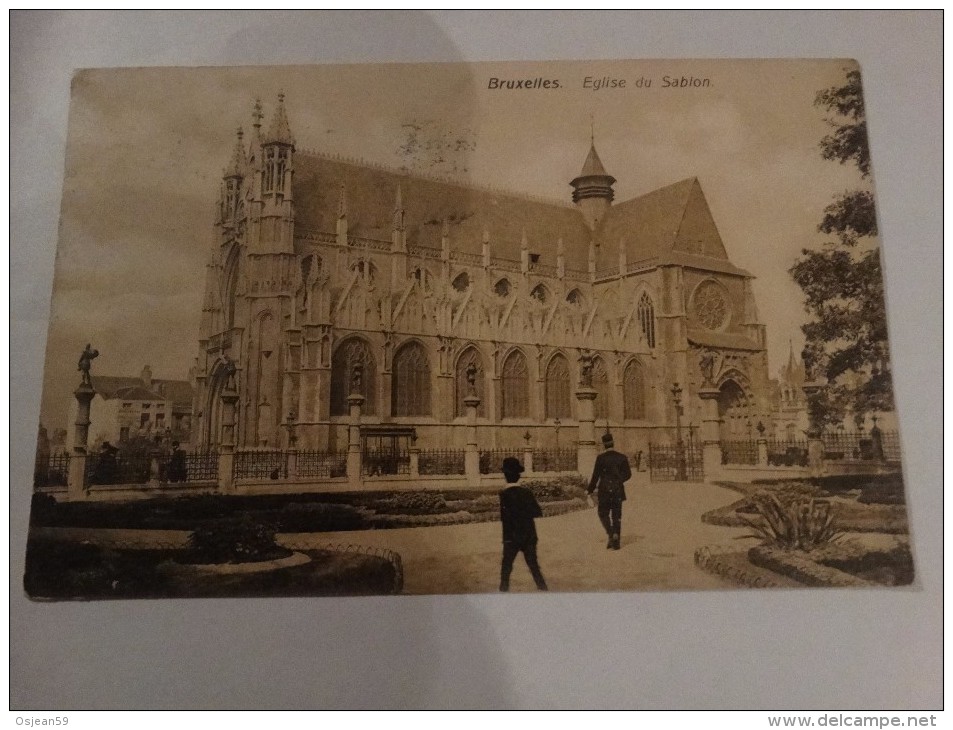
518	510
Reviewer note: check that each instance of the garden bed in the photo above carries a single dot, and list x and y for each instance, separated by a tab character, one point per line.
304	512
67	570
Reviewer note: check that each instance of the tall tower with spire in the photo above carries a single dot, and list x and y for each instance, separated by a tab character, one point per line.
275	170
592	190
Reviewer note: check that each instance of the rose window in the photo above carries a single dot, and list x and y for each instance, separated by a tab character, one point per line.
711	308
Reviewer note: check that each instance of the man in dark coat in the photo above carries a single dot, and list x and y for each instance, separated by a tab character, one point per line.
518	511
609	476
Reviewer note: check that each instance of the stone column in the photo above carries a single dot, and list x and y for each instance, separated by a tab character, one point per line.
528	459
76	480
414	461
226	452
471	456
710	432
586	446
354	402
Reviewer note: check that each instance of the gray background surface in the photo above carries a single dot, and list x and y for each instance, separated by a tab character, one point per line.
725	650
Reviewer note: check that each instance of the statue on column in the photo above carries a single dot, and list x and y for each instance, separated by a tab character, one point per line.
357	379
585	369
471	378
228	371
85	362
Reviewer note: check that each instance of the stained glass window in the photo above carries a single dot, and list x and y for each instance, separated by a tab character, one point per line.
633	391
647	319
515	382
557	388
410	386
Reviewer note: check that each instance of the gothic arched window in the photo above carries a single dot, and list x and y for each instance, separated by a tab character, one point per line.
462	282
515	386
557	388
470	355
268	184
410	387
502	288
633	391
647	319
349	353
540	293
575	297
600	381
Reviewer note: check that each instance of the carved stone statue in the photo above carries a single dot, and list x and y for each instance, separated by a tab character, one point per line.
228	371
471	378
357	378
706	364
85	362
585	369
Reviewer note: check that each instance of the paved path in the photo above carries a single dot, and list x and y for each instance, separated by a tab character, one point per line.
661	528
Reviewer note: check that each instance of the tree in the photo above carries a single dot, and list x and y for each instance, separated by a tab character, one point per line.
842	283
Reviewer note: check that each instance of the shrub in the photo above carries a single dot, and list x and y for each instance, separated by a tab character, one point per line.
412	503
558	489
234	540
797	524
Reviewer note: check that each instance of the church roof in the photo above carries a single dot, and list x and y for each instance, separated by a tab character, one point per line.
280	130
468	210
671	225
726	340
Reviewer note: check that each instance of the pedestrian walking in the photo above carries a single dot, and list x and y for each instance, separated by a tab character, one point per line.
518	512
609	476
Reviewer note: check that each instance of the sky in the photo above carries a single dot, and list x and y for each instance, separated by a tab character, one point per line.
146	149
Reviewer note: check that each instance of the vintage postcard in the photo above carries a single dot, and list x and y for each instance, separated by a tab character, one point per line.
457	328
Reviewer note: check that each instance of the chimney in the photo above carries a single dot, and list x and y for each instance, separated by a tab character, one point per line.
146	376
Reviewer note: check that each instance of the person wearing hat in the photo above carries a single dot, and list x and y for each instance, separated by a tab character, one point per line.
609	476
518	511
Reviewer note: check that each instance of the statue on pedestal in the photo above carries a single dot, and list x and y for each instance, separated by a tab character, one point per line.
85	362
585	369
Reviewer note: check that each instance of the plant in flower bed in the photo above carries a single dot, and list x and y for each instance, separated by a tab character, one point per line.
794	524
234	540
557	490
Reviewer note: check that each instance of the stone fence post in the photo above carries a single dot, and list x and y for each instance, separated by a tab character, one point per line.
471	455
710	433
76	480
226	453
586	446
354	402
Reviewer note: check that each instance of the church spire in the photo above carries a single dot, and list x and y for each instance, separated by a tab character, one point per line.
280	131
236	168
592	188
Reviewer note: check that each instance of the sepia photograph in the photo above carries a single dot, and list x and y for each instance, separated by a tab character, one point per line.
352	330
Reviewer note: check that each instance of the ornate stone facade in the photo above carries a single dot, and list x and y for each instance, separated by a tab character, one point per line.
322	263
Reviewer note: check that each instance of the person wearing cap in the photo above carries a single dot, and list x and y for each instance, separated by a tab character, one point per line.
518	512
609	476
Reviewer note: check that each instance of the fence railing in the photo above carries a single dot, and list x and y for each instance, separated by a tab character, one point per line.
51	470
318	464
491	460
260	465
860	446
562	459
739	452
787	452
382	462
200	466
441	461
666	462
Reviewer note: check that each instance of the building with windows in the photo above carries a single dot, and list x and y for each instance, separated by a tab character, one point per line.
321	263
126	407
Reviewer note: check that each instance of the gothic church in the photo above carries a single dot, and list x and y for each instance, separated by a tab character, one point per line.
322	263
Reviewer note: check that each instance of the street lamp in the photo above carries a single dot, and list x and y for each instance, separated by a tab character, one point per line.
679	445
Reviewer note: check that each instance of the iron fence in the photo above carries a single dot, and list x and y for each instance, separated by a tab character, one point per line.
562	459
666	462
200	466
860	446
322	464
739	452
441	461
51	470
260	465
787	452
107	468
381	462
491	460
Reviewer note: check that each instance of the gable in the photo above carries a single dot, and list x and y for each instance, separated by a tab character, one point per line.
697	233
